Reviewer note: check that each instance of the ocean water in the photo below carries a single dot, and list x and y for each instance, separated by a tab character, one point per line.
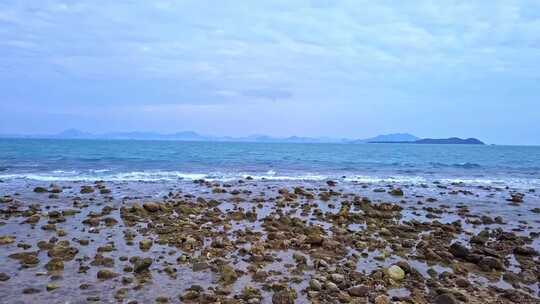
131	160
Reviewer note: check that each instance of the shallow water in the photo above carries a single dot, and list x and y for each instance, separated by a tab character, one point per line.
490	202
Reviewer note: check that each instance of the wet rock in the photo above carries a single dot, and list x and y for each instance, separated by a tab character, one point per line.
286	296
106	274
151	207
382	299
146	244
462	282
63	250
459	251
55	264
331	183
40	190
32	219
396	192
396	273
516	197
31	290
141	265
490	263
228	275
51	287
337	278
445	298
87	189
4	276
6	239
359	291
27	259
525	251
315	285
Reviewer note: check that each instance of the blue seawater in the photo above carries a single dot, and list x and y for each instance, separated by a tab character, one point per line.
134	160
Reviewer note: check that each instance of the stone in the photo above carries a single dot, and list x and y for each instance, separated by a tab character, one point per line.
315	285
32	219
228	275
445	298
55	264
40	190
6	239
87	189
396	192
382	299
337	278
459	251
146	244
141	265
151	207
359	291
4	276
51	287
106	274
283	297
396	273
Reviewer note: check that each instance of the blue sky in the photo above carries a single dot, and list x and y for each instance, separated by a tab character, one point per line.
309	68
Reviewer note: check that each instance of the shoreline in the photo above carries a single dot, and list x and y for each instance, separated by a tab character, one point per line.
254	241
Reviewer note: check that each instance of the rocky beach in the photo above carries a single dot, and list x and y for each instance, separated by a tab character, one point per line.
268	241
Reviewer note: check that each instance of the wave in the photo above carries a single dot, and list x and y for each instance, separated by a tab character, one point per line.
271	175
460	166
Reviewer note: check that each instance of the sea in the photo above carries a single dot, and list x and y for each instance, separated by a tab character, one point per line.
51	160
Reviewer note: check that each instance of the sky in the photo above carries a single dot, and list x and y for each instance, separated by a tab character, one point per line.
309	68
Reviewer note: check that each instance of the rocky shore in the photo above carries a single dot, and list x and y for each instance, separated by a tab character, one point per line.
276	242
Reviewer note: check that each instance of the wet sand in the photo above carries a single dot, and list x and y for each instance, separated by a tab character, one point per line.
262	241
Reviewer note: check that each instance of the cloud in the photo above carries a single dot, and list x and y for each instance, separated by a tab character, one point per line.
311	52
268	93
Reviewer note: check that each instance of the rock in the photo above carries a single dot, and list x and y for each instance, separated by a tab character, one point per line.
151	207
190	295
525	251
31	290
141	265
27	259
396	192
331	286
63	250
55	264
396	273
40	190
462	282
6	239
516	197
51	287
445	298
284	297
146	244
331	183
4	277
32	219
106	274
228	275
490	263
359	291
337	278
315	285
459	251
382	299
87	189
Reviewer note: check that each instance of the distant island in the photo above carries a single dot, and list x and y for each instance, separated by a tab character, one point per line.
438	141
193	136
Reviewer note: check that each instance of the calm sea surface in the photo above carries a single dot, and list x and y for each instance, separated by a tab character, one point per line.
72	160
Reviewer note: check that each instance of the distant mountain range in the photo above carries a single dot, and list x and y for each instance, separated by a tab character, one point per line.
193	136
439	141
395	137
